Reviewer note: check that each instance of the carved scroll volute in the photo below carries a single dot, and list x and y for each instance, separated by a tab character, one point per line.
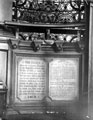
13	44
80	46
57	46
36	45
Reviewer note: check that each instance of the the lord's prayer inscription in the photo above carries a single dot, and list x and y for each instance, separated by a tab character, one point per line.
31	78
63	78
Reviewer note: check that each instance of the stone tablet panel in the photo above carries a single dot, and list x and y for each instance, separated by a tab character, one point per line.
31	78
64	79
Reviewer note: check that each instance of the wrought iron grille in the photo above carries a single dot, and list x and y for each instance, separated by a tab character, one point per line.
49	11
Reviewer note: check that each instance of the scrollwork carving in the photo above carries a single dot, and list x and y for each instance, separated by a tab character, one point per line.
56	41
36	45
57	46
33	36
13	44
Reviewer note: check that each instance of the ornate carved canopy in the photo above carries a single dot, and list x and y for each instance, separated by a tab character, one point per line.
49	11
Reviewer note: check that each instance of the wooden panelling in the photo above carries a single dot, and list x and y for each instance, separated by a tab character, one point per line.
3	66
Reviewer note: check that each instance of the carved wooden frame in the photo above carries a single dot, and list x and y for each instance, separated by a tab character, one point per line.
45	104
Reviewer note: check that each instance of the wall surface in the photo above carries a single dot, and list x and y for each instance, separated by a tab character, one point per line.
5	10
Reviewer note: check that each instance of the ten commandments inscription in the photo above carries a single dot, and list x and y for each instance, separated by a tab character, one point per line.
31	79
59	75
63	79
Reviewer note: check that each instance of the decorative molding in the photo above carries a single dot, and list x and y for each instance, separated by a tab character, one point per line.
47	44
3	46
91	4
